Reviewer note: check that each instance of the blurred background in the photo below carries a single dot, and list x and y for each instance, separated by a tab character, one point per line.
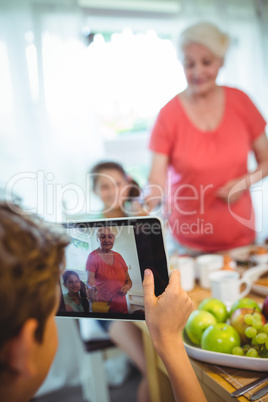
83	80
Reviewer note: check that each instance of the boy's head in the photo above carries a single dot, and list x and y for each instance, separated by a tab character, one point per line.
31	258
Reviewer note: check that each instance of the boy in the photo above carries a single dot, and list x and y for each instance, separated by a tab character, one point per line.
31	260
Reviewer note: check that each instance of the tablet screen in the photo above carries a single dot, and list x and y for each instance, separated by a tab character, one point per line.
105	264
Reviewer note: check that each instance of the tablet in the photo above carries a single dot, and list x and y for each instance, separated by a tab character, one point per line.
105	264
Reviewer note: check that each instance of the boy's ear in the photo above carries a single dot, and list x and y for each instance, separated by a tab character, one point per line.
19	352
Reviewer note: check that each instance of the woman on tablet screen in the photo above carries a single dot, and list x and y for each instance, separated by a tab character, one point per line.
108	277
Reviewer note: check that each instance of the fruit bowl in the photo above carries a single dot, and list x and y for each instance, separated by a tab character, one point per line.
222	359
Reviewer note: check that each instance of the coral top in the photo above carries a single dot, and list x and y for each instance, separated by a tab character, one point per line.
109	279
200	163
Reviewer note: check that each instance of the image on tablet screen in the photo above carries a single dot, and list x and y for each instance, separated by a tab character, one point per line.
103	271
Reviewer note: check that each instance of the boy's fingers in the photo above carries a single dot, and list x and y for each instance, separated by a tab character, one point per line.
175	279
148	286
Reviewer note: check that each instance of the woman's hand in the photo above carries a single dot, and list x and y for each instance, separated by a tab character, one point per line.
92	292
124	289
137	209
233	190
128	284
167	314
154	198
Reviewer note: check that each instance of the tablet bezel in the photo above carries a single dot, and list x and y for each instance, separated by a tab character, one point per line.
159	259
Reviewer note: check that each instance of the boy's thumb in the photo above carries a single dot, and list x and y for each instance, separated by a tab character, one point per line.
148	286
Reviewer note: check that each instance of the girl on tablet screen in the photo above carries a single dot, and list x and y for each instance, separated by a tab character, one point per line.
76	298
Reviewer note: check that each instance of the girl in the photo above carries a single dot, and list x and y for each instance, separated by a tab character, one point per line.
117	190
76	298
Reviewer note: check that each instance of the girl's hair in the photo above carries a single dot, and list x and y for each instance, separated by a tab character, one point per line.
134	188
208	35
83	295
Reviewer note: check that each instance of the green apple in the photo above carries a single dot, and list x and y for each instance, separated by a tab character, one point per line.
216	307
198	321
245	303
220	338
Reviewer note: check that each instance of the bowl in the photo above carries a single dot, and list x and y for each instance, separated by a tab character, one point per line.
259	258
253	275
100	307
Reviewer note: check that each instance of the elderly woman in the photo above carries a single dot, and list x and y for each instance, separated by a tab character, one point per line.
108	273
204	135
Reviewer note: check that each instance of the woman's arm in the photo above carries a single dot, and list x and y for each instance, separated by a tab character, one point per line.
233	190
91	279
157	180
166	334
260	149
124	289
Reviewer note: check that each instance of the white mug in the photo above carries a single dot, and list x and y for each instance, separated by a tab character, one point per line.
225	285
185	265
205	264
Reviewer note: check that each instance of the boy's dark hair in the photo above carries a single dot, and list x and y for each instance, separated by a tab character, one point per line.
108	165
31	259
83	295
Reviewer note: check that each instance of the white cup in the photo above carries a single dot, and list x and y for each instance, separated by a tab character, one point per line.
205	264
185	265
225	285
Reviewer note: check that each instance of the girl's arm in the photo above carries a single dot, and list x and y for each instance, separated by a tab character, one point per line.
166	334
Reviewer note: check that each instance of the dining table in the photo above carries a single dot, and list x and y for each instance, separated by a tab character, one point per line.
217	382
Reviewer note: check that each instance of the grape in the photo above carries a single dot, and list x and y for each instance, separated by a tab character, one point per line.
252	352
250	332
257	316
237	351
266	344
257	324
261	338
254	341
265	328
248	319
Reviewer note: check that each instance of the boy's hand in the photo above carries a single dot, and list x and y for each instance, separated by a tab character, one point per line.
167	314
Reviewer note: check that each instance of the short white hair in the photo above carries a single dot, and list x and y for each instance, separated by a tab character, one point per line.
112	229
208	35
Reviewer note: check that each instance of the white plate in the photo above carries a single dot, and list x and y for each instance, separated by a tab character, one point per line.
253	274
244	253
224	359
